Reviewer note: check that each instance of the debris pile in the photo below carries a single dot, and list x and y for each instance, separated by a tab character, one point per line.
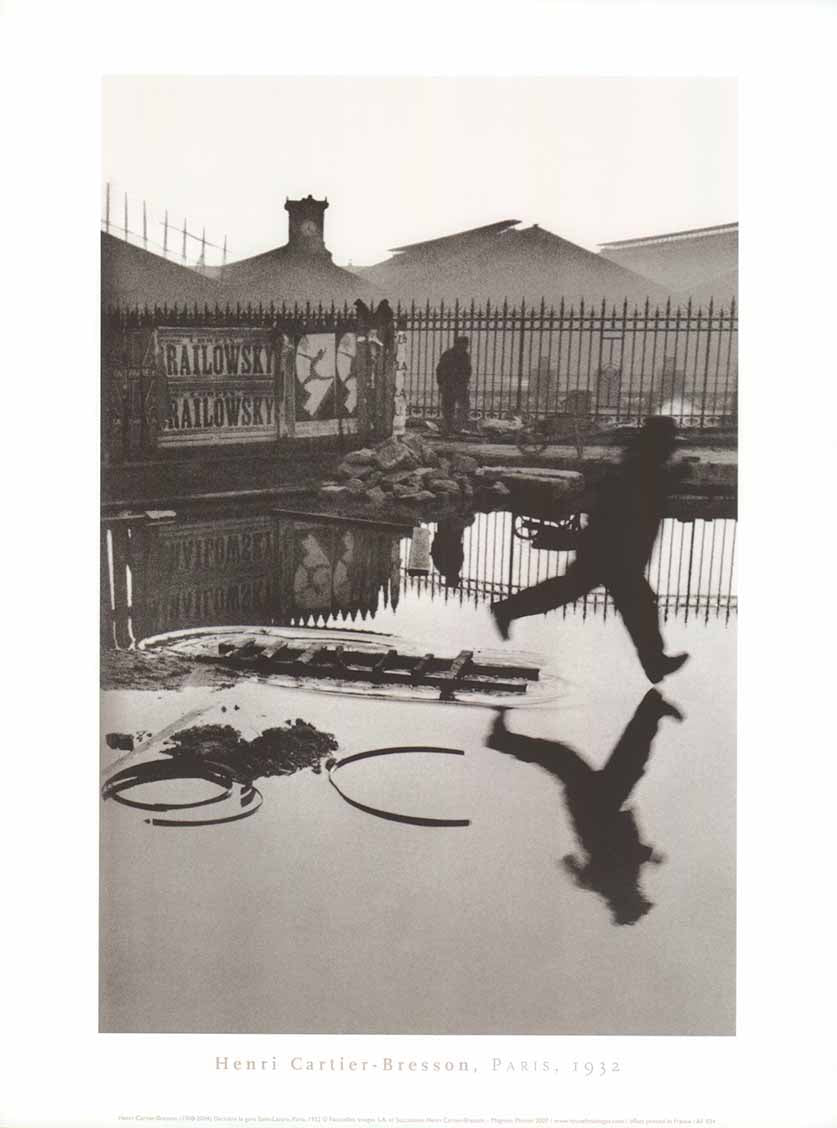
408	469
277	751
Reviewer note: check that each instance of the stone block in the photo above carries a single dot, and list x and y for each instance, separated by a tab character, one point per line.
376	496
360	457
445	486
398	477
463	464
394	455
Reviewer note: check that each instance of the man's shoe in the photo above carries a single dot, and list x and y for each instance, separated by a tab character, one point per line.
666	665
655	702
501	621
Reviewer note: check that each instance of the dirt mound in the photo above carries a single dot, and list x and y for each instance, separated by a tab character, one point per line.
282	750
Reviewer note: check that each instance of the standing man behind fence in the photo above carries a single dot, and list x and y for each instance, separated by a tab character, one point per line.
453	375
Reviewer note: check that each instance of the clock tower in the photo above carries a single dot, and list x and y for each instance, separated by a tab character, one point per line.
305	226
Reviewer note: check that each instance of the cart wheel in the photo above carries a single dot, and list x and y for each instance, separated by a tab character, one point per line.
525	528
531	442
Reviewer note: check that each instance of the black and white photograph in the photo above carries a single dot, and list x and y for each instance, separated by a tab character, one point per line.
419	698
418	557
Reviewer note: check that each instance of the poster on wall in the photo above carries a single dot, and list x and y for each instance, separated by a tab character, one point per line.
216	386
326	384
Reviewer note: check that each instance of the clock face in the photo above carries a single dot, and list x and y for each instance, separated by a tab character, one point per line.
308	228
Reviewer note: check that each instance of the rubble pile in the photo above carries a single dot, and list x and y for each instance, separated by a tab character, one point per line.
408	469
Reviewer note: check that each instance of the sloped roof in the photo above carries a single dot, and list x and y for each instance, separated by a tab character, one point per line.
680	261
286	275
132	276
498	262
721	290
461	237
674	236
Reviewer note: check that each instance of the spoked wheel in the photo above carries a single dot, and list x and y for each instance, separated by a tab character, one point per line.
530	441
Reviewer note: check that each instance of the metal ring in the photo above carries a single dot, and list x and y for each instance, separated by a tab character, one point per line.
249	797
393	816
155	770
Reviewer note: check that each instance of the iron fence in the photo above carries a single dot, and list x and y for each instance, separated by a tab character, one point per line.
610	365
604	365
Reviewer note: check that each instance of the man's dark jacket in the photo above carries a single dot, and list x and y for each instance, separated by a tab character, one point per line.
453	369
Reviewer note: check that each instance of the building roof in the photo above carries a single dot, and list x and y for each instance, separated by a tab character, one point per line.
132	276
470	233
684	262
287	275
498	262
673	236
720	290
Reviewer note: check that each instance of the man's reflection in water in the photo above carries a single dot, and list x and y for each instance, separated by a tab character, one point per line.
613	850
447	551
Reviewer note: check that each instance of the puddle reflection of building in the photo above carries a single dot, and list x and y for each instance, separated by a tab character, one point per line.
259	569
614	852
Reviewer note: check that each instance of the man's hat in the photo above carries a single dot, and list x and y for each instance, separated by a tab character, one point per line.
659	426
462	340
658	433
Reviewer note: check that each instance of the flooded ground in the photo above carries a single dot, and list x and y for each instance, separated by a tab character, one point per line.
316	916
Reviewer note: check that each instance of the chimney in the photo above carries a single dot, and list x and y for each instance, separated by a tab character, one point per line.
305	226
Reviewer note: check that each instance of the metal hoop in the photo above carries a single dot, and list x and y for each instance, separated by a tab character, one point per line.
393	816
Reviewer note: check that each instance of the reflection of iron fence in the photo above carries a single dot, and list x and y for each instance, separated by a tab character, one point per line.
159	577
692	568
621	362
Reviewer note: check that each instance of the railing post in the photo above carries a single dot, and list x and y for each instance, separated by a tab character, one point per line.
706	364
520	356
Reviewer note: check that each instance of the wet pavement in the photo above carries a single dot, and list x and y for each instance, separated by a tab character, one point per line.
317	916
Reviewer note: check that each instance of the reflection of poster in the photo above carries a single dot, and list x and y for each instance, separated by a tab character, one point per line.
208	572
217	386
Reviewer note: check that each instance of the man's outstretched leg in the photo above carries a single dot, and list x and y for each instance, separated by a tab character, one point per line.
626	763
636	603
578	579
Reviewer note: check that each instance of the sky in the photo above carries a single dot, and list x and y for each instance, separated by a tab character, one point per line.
407	159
